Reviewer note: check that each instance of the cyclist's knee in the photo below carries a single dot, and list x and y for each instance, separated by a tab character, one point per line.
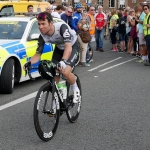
66	72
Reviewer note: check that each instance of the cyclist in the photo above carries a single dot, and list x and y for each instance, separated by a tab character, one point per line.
66	49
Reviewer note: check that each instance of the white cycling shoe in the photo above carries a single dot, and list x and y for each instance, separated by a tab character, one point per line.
76	96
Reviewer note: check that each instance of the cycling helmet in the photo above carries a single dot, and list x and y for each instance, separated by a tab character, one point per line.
46	69
79	6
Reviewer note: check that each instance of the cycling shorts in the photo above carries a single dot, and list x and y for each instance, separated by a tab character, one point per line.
58	54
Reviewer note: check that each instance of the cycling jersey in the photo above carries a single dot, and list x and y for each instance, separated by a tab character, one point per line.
62	34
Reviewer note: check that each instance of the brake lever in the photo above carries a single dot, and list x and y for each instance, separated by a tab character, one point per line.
29	73
58	66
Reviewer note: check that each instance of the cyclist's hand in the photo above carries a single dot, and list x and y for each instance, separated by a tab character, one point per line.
27	65
62	65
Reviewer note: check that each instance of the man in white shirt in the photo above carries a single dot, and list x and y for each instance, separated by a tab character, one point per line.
58	10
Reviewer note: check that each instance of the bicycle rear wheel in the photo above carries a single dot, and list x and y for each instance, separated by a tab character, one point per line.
45	120
73	109
89	53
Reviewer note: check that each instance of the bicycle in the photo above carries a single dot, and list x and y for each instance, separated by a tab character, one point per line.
89	54
45	120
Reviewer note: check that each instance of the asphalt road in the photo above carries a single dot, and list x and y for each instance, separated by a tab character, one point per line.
114	116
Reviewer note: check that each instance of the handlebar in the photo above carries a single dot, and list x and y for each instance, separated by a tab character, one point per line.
29	68
27	71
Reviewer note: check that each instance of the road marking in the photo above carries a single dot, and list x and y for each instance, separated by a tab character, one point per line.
105	64
25	98
116	65
20	100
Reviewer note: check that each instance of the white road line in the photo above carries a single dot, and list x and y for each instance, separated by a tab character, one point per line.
105	64
116	65
25	98
20	100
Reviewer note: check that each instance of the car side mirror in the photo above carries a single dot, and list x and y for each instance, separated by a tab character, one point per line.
33	36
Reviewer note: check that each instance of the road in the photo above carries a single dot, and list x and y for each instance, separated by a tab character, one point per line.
114	116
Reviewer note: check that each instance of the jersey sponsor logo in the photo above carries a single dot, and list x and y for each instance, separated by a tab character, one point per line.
66	34
74	57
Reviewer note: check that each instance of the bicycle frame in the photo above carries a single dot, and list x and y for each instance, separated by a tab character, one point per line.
58	97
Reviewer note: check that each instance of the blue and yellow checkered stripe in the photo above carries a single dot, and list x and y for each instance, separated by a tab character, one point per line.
24	52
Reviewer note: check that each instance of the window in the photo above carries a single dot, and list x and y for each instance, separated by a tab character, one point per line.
112	3
7	9
12	29
100	2
122	6
133	1
34	29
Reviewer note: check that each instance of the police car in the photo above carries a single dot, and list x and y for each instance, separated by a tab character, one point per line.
18	43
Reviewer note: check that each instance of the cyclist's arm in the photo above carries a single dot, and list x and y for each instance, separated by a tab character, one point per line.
64	32
67	51
39	51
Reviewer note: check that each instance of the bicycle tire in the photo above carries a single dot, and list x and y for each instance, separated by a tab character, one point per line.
89	53
44	130
71	105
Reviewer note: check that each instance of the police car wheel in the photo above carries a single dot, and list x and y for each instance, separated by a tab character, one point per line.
7	77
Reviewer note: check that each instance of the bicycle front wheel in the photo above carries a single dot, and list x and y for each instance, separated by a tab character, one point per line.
73	109
46	113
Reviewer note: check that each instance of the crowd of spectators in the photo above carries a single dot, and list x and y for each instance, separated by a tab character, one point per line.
128	29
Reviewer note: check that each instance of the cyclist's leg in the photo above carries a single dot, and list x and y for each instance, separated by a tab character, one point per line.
67	72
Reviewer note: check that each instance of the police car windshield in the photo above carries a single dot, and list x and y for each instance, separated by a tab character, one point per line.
12	29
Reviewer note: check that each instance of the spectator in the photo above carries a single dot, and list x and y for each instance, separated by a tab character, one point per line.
30	8
54	5
49	9
121	10
114	29
57	11
146	30
108	22
83	25
142	43
77	16
121	22
91	20
128	8
67	16
30	11
131	23
101	21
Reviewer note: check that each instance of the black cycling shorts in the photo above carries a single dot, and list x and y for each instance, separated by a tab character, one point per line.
58	54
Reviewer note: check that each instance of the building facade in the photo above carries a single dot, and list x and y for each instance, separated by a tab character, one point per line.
107	4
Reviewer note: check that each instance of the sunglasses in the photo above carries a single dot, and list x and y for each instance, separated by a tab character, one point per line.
42	16
49	9
92	9
69	12
145	9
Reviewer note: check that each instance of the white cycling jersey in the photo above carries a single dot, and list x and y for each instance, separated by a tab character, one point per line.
62	34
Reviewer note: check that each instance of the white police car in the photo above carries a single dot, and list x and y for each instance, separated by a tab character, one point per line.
18	43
